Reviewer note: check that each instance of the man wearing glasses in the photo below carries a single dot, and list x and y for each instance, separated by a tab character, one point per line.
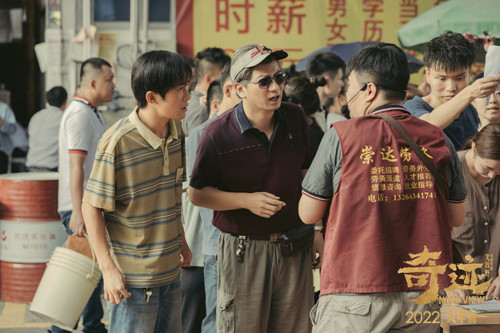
248	169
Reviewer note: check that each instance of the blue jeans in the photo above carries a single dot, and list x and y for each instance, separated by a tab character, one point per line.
160	315
210	274
193	299
93	312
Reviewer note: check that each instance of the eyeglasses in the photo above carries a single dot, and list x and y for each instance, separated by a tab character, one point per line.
266	82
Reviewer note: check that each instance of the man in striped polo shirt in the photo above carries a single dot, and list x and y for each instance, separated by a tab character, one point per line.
132	203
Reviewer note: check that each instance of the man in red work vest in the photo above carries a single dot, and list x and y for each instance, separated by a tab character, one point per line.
385	204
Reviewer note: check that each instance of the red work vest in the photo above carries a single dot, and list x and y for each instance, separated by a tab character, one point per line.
387	205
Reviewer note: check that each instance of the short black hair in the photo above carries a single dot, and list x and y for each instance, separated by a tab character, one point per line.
449	52
56	96
92	64
226	74
324	63
189	61
158	71
214	92
208	60
299	90
383	64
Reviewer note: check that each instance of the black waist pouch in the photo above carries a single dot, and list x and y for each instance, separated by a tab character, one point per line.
296	240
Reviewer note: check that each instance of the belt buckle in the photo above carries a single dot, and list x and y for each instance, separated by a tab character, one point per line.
273	238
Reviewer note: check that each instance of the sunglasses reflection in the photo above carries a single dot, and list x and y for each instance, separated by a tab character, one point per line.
266	82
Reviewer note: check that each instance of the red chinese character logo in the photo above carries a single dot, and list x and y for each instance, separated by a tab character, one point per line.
409	10
336	30
372	7
373	32
240	12
283	13
335	6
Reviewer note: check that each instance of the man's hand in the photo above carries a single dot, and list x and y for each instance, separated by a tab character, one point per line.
114	286
317	250
264	204
76	223
186	254
1	121
494	290
484	87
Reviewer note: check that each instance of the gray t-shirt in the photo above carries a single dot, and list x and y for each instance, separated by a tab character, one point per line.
196	113
43	133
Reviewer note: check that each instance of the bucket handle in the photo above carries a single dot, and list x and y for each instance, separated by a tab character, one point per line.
91	274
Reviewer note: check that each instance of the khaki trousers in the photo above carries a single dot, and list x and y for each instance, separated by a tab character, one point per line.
266	292
376	312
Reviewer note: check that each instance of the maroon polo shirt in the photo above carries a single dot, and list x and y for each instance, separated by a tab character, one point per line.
234	156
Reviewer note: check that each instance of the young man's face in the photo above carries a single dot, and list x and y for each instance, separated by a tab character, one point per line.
489	107
334	83
105	85
257	98
445	85
174	104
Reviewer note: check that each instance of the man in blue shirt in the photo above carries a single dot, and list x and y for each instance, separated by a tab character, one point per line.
448	60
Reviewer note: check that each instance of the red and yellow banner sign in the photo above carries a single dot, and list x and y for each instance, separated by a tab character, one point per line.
299	26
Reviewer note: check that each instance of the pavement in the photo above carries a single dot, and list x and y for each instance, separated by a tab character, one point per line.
15	318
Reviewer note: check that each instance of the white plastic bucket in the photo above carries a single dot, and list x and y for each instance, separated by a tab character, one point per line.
65	288
30	242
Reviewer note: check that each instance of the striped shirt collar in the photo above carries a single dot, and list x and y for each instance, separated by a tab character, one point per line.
389	108
153	140
87	102
84	101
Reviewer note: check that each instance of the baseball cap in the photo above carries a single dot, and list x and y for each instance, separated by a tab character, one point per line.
253	57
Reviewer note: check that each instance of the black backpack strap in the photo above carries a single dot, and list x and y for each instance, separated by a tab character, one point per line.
416	149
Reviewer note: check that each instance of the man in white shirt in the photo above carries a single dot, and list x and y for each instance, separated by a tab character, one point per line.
80	130
43	132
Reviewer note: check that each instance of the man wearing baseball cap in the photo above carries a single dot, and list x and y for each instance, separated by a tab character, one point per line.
248	169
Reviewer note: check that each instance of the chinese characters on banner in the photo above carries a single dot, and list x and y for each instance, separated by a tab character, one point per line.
336	21
236	11
283	15
300	26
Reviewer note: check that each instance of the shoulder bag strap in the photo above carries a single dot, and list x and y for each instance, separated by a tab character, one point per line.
416	149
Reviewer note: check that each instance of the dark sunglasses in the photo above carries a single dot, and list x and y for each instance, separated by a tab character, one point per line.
266	82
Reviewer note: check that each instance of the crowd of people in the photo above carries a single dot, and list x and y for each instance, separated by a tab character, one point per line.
233	178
